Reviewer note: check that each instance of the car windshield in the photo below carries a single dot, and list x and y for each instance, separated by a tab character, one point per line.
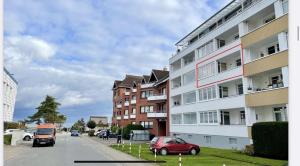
44	131
154	140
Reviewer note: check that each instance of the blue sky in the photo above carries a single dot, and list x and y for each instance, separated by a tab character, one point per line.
74	49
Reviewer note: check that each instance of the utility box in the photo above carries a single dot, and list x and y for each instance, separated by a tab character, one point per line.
140	135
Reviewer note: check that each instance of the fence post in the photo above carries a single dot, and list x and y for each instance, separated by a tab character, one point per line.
123	145
179	160
130	147
224	165
140	147
155	154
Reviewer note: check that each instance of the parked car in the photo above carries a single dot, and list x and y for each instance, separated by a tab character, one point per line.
28	135
10	131
75	133
101	133
166	145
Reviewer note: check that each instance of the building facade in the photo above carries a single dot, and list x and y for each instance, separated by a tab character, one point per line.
231	72
10	86
143	100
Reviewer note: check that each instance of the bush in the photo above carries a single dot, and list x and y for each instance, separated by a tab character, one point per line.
11	125
128	128
270	139
249	150
7	139
91	124
114	129
91	133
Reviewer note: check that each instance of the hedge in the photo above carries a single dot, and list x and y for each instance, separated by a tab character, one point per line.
11	125
270	139
7	139
128	128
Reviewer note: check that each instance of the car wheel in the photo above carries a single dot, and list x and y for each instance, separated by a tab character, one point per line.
163	151
193	151
26	138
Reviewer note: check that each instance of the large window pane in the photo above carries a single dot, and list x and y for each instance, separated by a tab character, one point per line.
189	97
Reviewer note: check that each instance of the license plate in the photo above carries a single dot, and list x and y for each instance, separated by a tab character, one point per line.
42	142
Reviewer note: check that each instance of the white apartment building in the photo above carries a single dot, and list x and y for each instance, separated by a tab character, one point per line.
231	72
10	86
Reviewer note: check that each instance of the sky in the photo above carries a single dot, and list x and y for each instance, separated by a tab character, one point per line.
73	50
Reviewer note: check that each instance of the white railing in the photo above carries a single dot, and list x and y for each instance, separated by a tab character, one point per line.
132	116
156	115
119	106
147	85
158	97
125	117
127	93
118	118
133	90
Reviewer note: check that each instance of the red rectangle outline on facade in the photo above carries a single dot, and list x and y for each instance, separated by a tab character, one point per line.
242	61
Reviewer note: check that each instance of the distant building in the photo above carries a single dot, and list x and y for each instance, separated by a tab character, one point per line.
143	100
10	86
100	119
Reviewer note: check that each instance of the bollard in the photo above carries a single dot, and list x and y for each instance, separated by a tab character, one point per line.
224	165
140	147
118	145
155	154
179	159
123	145
129	147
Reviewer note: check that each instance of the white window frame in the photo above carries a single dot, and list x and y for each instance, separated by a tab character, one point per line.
204	117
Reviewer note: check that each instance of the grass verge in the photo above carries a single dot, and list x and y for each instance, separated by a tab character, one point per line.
7	139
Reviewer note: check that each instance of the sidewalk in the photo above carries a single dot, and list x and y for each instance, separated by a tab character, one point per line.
115	154
113	141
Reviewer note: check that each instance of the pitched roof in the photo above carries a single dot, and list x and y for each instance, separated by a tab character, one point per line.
146	78
160	74
128	81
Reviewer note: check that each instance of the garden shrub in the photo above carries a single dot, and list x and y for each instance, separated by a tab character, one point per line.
7	139
128	128
270	139
91	133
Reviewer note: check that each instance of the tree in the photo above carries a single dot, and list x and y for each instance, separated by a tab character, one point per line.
47	112
79	125
91	124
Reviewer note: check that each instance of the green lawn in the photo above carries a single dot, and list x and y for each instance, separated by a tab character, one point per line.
207	157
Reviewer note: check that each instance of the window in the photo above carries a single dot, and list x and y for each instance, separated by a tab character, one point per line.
273	49
189	58
133	97
285	6
126	112
221	43
190	118
238	62
243	119
205	49
133	112
276	81
189	77
232	141
208	117
133	123
240	89
189	97
279	113
145	94
176	119
147	125
225	118
268	19
206	70
145	109
223	91
207	139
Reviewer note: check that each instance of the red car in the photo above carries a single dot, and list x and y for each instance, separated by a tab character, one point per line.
165	145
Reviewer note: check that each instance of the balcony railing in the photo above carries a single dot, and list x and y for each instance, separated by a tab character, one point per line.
118	118
133	102
132	116
157	97
125	117
133	90
127	93
119	105
126	103
156	114
149	85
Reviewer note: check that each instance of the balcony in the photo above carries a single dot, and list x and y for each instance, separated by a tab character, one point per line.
118	118
132	116
273	61
133	90
149	85
156	115
127	93
126	103
157	97
119	105
265	31
267	97
125	117
133	102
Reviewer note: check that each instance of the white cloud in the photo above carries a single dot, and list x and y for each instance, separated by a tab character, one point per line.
73	98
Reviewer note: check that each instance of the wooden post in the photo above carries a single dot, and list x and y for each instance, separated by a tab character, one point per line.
179	160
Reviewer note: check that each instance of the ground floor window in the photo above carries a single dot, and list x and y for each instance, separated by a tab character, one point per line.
279	113
190	118
208	117
232	141
147	125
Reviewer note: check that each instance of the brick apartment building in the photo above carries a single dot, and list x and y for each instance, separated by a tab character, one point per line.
143	100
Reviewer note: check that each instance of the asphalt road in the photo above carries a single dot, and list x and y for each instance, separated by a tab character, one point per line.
65	151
